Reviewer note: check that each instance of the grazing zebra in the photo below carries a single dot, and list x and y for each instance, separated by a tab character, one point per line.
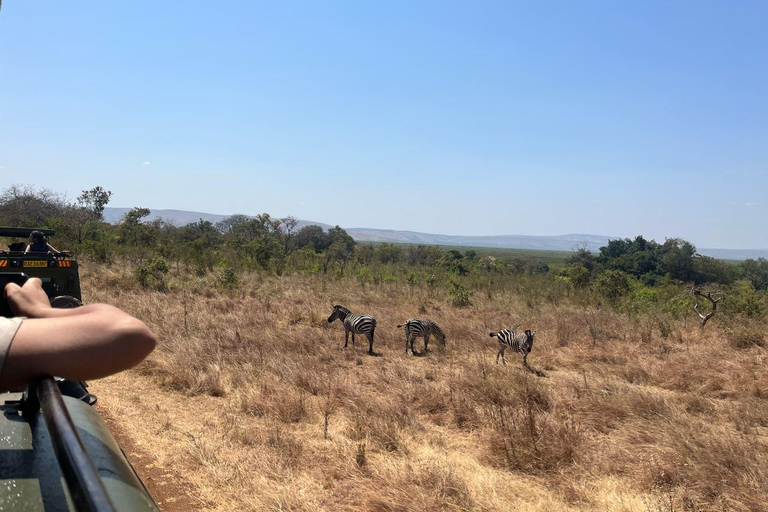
360	324
418	328
519	342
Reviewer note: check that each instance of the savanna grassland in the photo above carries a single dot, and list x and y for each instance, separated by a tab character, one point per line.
251	403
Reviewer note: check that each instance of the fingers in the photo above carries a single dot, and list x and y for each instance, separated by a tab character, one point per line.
13	288
10	288
33	282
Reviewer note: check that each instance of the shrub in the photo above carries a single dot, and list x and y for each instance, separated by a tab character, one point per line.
746	337
151	273
460	296
227	278
613	284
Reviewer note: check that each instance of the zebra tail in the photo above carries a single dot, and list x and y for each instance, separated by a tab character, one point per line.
400	326
493	334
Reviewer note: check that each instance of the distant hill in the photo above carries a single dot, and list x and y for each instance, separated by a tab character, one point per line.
539	243
182	217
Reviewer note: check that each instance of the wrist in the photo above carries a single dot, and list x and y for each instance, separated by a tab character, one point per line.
37	311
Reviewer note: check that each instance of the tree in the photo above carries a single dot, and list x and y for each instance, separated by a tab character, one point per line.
389	253
228	224
713	300
310	236
288	234
340	247
81	220
711	270
25	205
756	271
584	257
94	200
576	274
677	259
258	238
613	284
133	232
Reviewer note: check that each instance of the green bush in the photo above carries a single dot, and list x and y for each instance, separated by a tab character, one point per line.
746	337
613	284
151	273
460	296
227	278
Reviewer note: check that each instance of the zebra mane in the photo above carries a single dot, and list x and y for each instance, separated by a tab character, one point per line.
342	309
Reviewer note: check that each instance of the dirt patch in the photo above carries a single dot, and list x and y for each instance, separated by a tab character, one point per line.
171	492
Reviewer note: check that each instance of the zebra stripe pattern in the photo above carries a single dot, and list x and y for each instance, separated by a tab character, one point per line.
355	324
418	328
518	342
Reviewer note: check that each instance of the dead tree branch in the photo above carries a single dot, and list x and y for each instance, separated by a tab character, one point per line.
712	298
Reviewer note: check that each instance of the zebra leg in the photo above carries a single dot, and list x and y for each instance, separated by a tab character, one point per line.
346	337
503	359
500	352
407	338
426	342
353	339
370	343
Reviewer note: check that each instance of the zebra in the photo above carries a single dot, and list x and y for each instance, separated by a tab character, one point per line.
519	342
360	324
418	328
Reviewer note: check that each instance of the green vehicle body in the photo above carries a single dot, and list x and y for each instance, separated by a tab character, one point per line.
59	272
31	478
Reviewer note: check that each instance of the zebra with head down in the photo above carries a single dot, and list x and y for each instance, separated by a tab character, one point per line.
418	328
519	342
356	324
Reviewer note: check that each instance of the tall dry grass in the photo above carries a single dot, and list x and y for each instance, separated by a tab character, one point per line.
256	400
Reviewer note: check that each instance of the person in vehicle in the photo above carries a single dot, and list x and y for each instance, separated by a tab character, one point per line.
38	243
84	343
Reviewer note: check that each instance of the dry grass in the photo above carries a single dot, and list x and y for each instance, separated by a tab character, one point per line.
252	399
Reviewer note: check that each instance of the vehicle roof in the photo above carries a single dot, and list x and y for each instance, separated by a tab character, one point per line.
23	232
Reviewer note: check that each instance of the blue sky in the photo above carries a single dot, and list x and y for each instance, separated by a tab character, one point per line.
472	118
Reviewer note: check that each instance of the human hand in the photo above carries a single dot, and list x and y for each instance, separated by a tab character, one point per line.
28	300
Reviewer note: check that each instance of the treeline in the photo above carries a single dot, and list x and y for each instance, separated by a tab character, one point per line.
625	273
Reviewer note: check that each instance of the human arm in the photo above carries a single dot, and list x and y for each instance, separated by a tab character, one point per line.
78	344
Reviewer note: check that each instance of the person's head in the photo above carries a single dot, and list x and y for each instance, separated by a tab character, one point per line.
37	237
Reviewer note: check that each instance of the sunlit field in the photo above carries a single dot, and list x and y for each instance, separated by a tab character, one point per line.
250	401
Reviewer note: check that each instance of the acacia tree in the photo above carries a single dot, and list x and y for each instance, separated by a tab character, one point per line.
340	247
25	205
94	201
81	220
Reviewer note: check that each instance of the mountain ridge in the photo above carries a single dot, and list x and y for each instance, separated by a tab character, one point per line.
569	242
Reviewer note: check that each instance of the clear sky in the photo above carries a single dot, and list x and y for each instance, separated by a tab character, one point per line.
469	118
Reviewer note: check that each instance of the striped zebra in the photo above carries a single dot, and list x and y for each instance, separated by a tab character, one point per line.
519	342
418	328
356	324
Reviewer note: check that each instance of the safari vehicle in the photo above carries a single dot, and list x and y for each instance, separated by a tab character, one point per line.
56	452
58	271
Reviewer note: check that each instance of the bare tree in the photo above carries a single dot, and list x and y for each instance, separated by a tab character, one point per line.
287	232
712	298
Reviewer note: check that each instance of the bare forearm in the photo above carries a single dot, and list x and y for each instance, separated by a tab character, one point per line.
49	312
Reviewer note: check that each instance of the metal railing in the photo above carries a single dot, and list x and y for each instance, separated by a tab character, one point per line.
85	486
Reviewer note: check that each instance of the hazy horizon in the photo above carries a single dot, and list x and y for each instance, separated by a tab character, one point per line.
351	227
479	118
